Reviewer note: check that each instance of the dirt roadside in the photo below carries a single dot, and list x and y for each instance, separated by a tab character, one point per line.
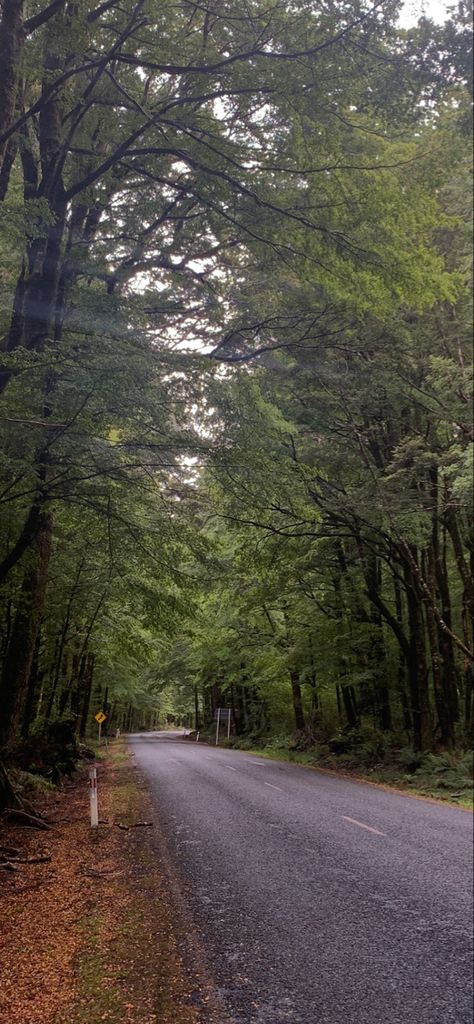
95	934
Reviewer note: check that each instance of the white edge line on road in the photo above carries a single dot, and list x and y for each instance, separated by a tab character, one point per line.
273	787
368	828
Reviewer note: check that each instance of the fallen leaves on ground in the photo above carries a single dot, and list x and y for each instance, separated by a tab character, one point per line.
91	935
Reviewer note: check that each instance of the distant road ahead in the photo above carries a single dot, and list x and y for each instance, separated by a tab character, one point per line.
321	901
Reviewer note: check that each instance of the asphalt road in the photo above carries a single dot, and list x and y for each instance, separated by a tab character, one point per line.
321	901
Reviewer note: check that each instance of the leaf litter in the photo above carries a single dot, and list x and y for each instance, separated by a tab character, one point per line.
88	927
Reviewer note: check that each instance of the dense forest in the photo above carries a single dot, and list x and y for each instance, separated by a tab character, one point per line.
235	377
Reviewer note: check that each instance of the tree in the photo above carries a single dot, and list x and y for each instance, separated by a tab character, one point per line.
187	190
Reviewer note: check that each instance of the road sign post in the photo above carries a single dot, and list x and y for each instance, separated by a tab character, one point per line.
222	715
100	717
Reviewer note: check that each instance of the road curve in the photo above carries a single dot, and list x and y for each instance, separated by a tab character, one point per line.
321	900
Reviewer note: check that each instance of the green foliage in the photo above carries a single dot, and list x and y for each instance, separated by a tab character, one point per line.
235	378
30	786
446	771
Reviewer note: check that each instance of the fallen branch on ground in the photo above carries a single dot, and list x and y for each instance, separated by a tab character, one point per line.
23	818
10	851
43	858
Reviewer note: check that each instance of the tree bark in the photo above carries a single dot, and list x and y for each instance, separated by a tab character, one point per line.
11	47
34	685
417	667
19	657
350	705
442	706
401	669
86	695
297	700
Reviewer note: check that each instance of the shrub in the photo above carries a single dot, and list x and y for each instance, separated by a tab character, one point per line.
52	753
446	771
410	759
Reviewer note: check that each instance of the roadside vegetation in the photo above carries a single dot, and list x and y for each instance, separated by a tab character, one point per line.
235	383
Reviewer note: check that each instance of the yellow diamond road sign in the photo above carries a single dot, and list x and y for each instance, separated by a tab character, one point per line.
100	717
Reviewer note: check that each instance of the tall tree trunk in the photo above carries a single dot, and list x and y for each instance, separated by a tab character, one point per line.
339	701
417	667
345	691
19	657
86	696
25	538
442	706
439	585
241	717
467	610
297	700
315	696
11	48
6	631
350	705
377	654
207	704
35	310
401	668
33	689
9	156
66	694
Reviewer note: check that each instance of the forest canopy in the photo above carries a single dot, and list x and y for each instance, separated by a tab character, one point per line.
235	381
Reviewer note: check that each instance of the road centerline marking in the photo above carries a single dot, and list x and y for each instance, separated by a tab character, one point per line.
261	764
273	787
368	828
230	768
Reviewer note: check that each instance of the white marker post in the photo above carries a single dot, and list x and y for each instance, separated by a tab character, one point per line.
228	726
217	726
93	797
